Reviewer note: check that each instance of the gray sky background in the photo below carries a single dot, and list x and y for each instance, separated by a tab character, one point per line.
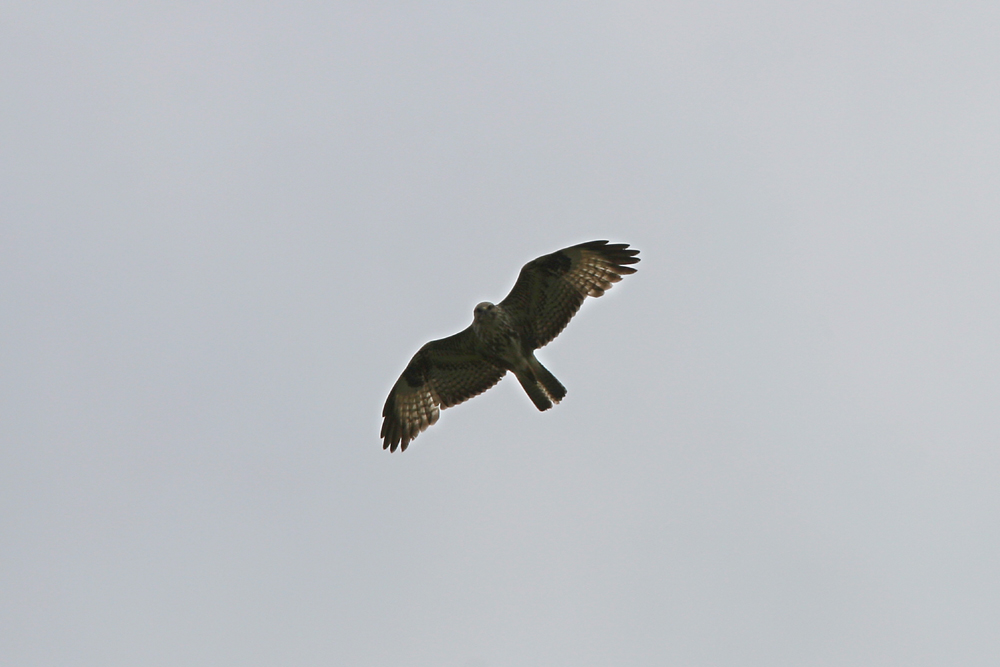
226	227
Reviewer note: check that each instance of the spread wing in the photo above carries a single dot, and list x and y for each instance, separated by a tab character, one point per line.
443	373
550	289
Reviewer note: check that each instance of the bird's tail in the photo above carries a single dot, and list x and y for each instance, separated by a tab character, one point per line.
541	386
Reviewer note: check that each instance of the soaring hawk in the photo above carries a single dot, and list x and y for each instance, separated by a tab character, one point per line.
503	337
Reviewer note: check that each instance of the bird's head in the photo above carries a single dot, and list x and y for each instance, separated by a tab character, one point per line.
483	311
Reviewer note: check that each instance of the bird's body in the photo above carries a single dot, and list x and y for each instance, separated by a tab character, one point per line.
507	349
503	337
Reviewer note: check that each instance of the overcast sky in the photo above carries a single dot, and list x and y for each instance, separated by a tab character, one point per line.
226	227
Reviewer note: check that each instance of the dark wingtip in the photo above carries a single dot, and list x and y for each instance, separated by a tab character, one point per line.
391	431
393	437
394	442
619	253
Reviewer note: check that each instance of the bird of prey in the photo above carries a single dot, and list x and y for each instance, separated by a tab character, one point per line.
503	337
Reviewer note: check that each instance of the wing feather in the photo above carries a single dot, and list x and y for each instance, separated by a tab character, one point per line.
441	374
550	290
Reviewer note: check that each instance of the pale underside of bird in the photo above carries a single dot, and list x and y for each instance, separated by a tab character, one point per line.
503	337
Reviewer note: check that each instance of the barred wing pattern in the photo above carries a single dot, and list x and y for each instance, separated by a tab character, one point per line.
550	290
443	373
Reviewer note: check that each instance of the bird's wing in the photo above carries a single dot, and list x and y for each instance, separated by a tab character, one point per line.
443	373
550	289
